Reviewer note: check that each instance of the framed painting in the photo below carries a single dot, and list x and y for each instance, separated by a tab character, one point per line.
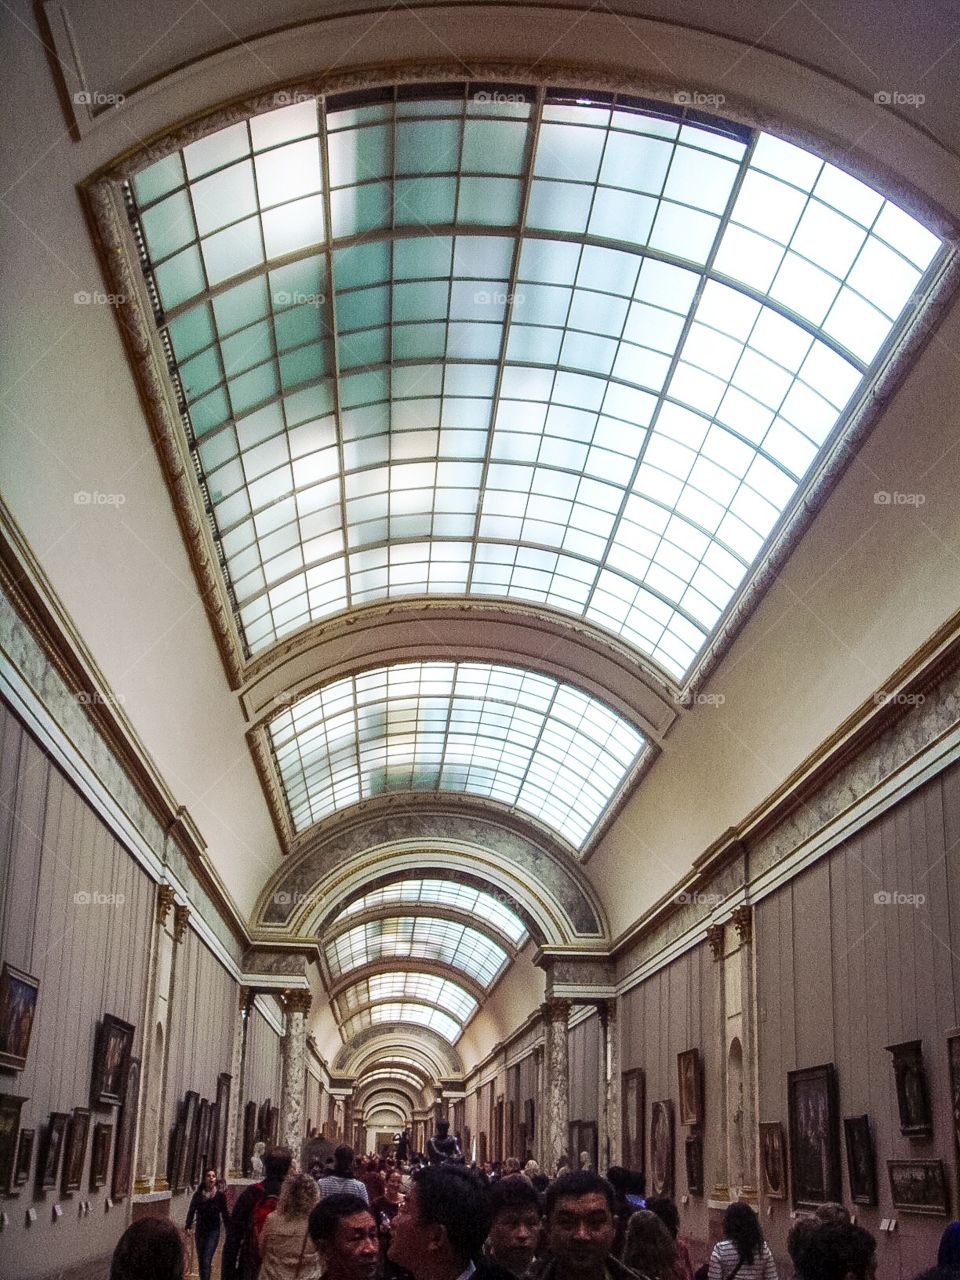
250	1137
75	1150
693	1150
201	1160
51	1150
18	1006
583	1142
861	1162
100	1155
186	1145
690	1086
919	1186
21	1171
126	1132
913	1097
814	1136
221	1124
773	1160
263	1122
661	1149
632	1115
111	1060
953	1060
273	1126
10	1107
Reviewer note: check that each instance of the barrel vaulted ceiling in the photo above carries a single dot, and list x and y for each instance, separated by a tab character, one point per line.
577	356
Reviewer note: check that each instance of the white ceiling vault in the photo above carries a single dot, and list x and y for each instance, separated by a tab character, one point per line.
490	404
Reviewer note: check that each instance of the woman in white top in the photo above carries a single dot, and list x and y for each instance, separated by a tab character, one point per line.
742	1254
287	1251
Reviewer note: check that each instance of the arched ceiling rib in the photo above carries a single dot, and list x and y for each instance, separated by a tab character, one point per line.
399	966
491	910
431	937
446	994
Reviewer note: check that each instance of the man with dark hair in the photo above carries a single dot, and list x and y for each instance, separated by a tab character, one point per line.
241	1256
344	1233
839	1251
341	1181
440	1229
514	1234
581	1228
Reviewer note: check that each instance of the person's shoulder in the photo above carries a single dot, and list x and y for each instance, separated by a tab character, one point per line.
487	1269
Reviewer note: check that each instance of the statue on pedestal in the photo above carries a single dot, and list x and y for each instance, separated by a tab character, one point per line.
444	1147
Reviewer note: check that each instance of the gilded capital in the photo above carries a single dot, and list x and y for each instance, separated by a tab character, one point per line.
165	899
742	918
715	938
181	917
298	1001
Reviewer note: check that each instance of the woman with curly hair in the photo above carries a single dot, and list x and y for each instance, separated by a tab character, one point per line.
287	1251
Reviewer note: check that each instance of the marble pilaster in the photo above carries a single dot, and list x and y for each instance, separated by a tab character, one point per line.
150	1173
608	1103
238	1064
557	1111
293	1085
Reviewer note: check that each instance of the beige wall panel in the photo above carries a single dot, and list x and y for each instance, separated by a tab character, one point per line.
584	1049
91	954
263	1061
842	974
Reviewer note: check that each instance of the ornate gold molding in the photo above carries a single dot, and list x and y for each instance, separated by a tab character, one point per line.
715	934
181	918
742	920
165	900
296	1001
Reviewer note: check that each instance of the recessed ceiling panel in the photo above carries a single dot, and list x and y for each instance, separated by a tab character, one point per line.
548	347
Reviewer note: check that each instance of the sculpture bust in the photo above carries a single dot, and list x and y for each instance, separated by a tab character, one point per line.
256	1160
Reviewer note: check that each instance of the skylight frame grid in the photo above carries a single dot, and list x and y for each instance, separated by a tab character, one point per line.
446	893
478	728
423	937
321	587
404	985
400	1012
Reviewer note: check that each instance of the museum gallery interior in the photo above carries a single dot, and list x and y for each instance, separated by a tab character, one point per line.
480	602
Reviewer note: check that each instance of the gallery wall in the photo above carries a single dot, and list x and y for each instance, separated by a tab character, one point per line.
76	911
263	1065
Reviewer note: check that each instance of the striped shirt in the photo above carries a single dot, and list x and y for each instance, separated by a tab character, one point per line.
724	1259
331	1185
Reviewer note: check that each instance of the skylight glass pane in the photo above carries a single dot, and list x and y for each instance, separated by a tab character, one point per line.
447	893
425	938
544	748
602	349
449	996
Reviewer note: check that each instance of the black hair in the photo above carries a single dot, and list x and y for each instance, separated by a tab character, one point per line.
742	1226
582	1182
277	1162
514	1193
149	1249
324	1216
458	1199
343	1161
667	1211
834	1249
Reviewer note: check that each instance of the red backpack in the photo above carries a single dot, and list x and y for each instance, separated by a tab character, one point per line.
261	1211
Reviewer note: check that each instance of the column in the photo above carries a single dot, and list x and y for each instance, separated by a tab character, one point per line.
608	1103
540	1110
293	1085
742	919
154	1052
717	1115
238	1067
557	1117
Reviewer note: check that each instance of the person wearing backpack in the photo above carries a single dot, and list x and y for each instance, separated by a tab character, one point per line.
241	1250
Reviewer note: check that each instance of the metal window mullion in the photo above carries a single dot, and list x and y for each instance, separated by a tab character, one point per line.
533	135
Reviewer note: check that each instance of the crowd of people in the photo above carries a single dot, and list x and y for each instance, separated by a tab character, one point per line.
440	1219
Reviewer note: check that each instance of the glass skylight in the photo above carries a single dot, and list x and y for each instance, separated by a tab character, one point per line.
422	1015
447	995
447	893
545	748
393	1073
421	937
574	350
